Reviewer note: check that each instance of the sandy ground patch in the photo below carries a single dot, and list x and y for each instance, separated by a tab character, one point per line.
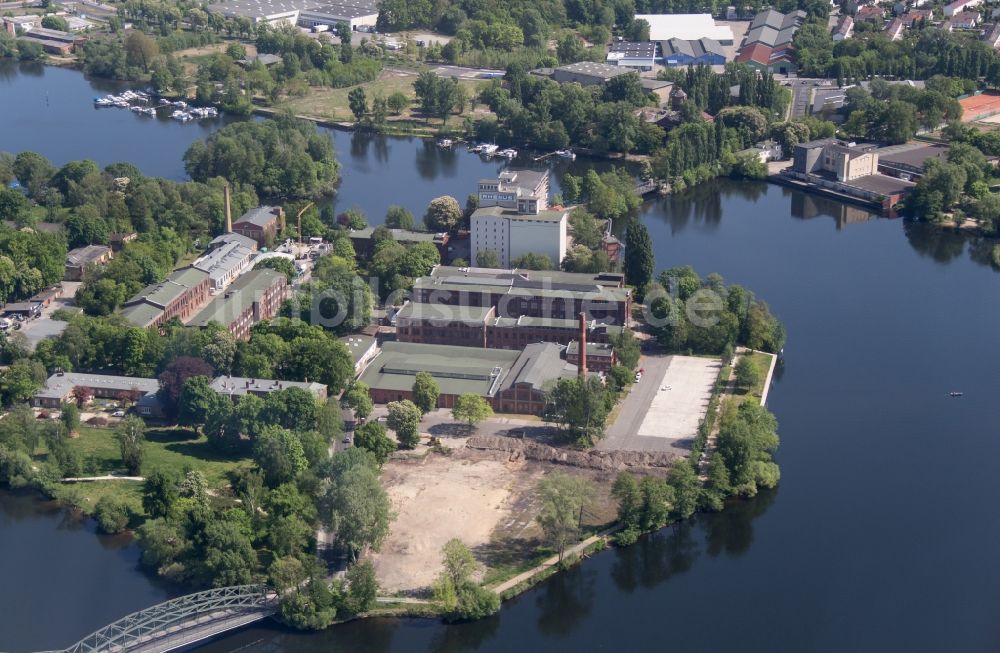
436	499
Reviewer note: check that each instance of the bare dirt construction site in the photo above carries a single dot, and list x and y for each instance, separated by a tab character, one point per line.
480	497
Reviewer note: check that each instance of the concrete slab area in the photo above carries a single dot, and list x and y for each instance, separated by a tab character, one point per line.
681	400
652	419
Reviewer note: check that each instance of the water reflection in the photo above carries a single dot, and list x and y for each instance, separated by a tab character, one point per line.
566	600
432	161
806	206
658	557
939	244
465	637
731	531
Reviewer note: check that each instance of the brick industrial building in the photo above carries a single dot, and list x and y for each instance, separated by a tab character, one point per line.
473	326
255	296
511	381
516	293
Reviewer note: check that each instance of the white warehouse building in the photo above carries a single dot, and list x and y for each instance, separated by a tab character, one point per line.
686	27
305	13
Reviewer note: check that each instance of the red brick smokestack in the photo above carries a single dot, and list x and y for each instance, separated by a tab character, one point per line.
229	211
582	366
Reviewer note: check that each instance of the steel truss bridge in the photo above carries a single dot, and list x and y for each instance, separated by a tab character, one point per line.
182	621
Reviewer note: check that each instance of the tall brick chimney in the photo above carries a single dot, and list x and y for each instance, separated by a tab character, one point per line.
582	365
229	211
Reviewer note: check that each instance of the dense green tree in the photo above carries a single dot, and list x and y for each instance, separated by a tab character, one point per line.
443	214
282	157
471	409
397	217
425	392
279	454
581	406
159	494
487	258
131	436
746	372
362	586
358	399
112	514
563	500
639	260
372	437
404	419
352	502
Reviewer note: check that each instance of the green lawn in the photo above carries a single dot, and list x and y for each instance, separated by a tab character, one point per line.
171	449
763	362
332	103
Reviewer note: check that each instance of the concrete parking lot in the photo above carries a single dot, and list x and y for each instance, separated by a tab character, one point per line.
663	410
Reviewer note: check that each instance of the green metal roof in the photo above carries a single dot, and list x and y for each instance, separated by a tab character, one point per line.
457	370
241	294
141	314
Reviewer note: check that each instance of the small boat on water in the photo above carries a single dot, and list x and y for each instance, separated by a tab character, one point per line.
489	149
183	116
149	111
956	394
135	108
165	101
566	154
509	153
445	143
102	102
180	104
477	148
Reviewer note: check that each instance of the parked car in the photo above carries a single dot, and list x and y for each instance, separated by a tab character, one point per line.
118	413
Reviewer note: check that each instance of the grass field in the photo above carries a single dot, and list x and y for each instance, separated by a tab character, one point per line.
331	103
173	450
763	362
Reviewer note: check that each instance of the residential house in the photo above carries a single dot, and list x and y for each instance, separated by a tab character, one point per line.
965	20
915	17
870	14
894	30
236	387
959	6
844	28
82	259
60	388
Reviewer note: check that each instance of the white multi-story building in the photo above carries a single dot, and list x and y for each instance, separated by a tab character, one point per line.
524	191
513	220
511	234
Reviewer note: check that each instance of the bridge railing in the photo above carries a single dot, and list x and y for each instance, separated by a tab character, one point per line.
157	621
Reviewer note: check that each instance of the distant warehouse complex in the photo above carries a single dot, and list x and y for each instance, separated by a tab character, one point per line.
306	13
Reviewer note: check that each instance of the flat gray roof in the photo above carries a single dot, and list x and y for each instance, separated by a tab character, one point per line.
593	69
358	344
445	313
260	216
510	214
59	386
241	385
